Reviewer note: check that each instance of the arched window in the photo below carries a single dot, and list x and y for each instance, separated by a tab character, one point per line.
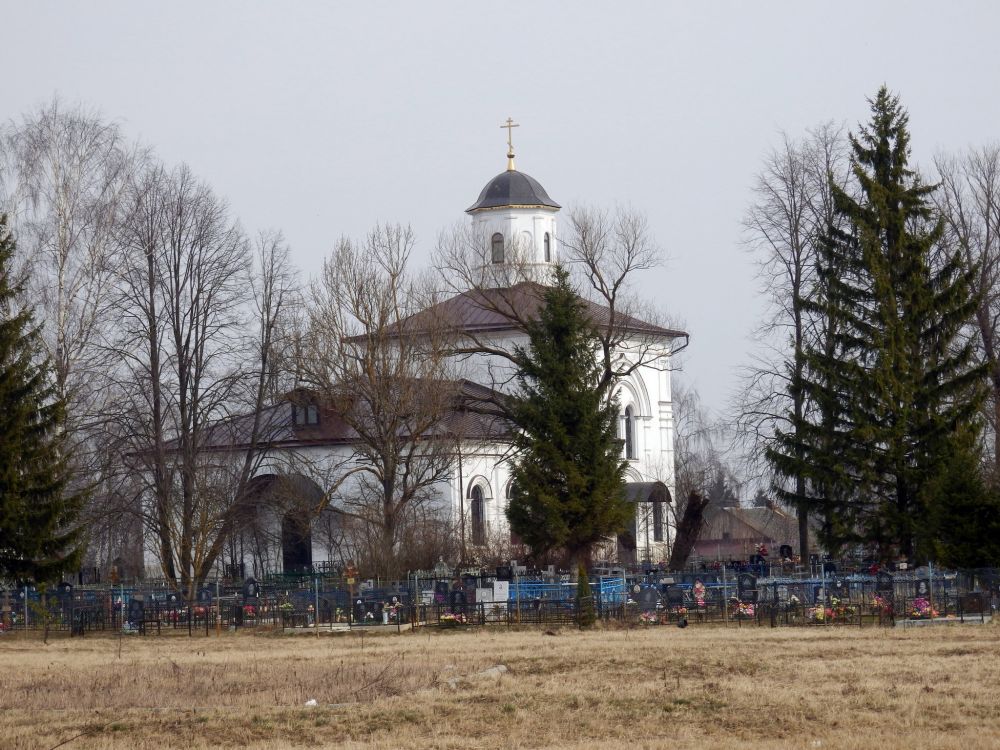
496	248
478	509
629	430
657	520
548	248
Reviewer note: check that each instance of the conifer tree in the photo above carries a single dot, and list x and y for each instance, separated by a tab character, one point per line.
568	489
38	536
962	522
892	379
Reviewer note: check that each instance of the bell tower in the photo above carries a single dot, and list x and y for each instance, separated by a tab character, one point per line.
515	220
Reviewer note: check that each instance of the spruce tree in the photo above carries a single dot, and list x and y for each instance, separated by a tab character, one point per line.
892	378
38	537
568	489
962	523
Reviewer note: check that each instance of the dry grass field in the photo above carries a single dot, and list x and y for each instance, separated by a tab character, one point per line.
662	687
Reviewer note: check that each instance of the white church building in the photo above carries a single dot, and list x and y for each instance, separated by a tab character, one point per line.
513	214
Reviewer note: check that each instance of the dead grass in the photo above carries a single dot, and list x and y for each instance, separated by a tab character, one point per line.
699	687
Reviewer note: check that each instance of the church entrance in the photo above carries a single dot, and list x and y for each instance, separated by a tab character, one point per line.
296	543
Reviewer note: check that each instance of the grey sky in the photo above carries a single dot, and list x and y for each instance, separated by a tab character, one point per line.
321	119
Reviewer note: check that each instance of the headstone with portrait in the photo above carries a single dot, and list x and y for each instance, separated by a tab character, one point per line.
746	588
136	610
251	589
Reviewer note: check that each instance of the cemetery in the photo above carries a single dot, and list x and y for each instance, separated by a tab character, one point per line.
746	594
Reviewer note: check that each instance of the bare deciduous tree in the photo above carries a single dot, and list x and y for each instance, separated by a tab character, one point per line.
700	459
792	209
192	383
969	203
392	387
65	169
604	251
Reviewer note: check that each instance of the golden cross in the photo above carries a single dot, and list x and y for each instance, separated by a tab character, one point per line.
510	128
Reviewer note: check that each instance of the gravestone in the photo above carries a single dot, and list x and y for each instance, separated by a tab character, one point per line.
501	591
819	594
785	552
840	588
251	589
470	592
173	599
923	589
204	595
65	589
885	585
440	592
504	573
746	588
830	568
457	601
136	609
648	599
675	595
359	611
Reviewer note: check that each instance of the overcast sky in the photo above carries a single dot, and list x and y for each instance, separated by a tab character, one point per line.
321	119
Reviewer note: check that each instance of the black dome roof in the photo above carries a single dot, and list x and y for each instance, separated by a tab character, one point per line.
512	188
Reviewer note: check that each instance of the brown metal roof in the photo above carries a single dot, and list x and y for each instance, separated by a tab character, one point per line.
489	310
278	430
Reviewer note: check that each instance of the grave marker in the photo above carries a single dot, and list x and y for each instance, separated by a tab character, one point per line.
746	588
648	599
457	601
675	595
251	589
136	609
885	585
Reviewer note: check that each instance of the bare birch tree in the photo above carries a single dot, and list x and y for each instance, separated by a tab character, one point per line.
65	169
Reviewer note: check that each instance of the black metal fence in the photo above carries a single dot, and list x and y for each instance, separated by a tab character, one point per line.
735	598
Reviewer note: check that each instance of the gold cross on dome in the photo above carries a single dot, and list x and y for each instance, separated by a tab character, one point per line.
510	125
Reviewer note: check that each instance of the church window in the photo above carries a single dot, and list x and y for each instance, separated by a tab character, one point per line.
629	432
497	248
478	509
548	248
657	520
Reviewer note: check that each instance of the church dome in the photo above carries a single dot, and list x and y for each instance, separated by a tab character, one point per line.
512	189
